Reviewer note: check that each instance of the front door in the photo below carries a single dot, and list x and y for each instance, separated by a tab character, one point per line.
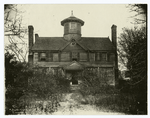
74	79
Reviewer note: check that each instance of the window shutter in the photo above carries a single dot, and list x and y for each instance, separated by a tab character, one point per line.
98	56
39	56
35	57
55	57
66	28
92	56
47	56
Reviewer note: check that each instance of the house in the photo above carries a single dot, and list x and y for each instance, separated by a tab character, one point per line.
72	53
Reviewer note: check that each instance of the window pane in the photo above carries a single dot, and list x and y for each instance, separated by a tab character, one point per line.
92	56
83	56
74	56
55	57
43	56
72	25
65	57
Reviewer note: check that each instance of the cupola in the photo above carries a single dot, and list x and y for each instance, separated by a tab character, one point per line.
72	27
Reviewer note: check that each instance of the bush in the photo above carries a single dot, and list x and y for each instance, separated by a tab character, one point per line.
93	84
31	86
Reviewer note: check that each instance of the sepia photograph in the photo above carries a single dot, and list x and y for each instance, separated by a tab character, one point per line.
75	59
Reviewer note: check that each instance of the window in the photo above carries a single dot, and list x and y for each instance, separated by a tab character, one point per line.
74	56
73	43
112	57
92	56
35	57
73	26
43	56
65	56
55	57
83	56
103	56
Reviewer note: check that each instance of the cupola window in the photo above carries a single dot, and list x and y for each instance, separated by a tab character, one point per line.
72	25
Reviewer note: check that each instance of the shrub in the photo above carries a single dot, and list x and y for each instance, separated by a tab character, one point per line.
94	84
33	85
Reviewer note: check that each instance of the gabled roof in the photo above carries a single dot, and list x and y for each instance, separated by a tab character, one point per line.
97	43
58	43
69	42
49	43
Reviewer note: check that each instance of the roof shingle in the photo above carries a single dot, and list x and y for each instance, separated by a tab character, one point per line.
57	43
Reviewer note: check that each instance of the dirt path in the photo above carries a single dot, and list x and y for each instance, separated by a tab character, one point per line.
72	105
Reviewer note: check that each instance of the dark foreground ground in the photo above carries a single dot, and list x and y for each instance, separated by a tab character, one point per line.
75	103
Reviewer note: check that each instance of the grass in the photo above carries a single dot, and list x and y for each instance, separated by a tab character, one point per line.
123	103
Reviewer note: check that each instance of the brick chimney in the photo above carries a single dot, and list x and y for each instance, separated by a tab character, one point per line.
30	31
114	41
114	35
30	34
36	37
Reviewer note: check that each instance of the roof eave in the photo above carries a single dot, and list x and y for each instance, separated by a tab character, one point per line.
72	20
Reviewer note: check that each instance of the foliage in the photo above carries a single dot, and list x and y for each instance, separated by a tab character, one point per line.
31	91
124	98
133	53
92	83
8	68
43	84
15	72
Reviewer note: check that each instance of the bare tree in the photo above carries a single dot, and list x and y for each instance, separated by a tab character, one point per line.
141	12
15	32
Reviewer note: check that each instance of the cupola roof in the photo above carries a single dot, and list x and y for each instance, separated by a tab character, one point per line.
72	19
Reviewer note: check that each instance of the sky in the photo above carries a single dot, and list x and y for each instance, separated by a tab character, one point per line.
98	18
